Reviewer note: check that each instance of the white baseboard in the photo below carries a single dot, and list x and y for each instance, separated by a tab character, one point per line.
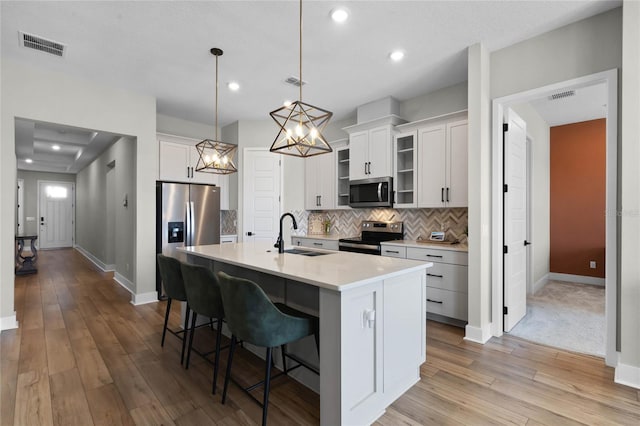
143	298
477	334
100	264
124	282
628	375
8	323
581	279
540	283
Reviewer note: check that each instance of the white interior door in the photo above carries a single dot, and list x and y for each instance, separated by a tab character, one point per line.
515	220
56	214
261	201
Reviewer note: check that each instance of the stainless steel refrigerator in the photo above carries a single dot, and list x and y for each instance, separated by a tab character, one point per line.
186	215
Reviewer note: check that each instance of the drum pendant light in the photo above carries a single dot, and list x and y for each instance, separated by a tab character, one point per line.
300	124
216	156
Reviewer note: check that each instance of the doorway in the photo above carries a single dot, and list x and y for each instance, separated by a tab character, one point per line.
500	105
56	214
262	180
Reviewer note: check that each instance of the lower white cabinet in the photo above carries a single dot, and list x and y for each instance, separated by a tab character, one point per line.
319	243
447	280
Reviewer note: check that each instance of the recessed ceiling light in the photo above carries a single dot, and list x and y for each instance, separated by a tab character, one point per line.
28	160
339	15
287	103
396	55
233	86
55	147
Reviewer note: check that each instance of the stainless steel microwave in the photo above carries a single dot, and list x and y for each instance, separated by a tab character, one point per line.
375	192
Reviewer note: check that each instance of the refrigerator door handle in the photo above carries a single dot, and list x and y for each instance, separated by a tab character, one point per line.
187	233
192	234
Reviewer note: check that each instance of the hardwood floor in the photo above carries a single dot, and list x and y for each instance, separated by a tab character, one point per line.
84	355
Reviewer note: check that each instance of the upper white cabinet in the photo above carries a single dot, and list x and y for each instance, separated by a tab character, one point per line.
405	181
178	160
320	182
370	153
442	165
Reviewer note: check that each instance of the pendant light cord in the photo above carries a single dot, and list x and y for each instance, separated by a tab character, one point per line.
216	98
300	51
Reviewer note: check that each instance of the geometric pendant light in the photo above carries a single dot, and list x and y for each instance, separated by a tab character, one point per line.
216	156
300	124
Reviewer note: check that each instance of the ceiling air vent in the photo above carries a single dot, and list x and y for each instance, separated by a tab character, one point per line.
294	81
31	41
562	95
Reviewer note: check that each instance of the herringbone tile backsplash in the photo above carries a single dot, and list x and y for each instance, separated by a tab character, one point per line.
417	222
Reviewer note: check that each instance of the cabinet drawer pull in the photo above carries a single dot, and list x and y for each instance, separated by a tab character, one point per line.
317	244
433	255
434	275
392	251
435	301
442	194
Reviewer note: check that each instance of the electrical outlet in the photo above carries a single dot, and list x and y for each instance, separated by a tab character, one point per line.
592	264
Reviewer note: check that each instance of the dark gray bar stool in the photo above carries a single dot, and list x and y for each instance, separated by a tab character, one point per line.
174	288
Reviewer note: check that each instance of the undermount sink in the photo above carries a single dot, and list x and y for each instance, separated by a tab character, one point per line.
305	252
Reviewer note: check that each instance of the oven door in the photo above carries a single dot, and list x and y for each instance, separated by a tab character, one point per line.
360	248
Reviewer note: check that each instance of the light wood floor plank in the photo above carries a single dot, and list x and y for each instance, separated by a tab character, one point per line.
33	399
68	400
59	353
33	351
107	407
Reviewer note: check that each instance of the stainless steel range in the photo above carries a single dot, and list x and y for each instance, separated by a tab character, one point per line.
373	233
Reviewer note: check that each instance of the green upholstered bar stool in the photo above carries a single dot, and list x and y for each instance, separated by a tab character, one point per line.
203	296
254	319
173	283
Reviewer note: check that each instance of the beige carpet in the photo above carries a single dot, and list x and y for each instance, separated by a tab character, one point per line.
566	315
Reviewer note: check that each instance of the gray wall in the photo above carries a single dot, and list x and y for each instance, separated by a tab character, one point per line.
440	102
179	127
100	212
30	204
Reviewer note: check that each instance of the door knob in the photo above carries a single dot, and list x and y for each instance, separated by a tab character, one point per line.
527	243
249	233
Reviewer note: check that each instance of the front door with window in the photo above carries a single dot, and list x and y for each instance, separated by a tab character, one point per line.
55	214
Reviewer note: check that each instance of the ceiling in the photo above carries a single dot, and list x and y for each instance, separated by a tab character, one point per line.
161	48
587	103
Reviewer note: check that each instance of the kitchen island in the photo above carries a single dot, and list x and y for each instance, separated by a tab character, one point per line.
372	318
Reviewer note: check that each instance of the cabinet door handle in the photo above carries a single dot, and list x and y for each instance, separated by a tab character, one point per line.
435	301
365	168
318	244
392	251
319	200
188	172
447	194
433	255
442	194
369	167
434	275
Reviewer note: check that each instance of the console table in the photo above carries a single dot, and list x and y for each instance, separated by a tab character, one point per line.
26	264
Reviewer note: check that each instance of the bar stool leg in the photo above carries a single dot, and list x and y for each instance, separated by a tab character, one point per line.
232	348
216	365
166	320
184	335
193	331
284	358
267	382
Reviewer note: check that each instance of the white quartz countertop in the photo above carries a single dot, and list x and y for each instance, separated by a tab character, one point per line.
428	244
338	270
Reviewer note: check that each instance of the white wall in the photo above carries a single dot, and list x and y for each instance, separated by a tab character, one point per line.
190	129
628	370
443	101
92	216
30	204
58	98
538	130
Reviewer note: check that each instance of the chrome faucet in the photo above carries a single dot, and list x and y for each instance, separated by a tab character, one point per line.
280	243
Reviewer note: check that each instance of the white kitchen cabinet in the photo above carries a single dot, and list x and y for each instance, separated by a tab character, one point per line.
442	165
320	182
447	280
178	160
405	180
320	243
228	239
370	153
